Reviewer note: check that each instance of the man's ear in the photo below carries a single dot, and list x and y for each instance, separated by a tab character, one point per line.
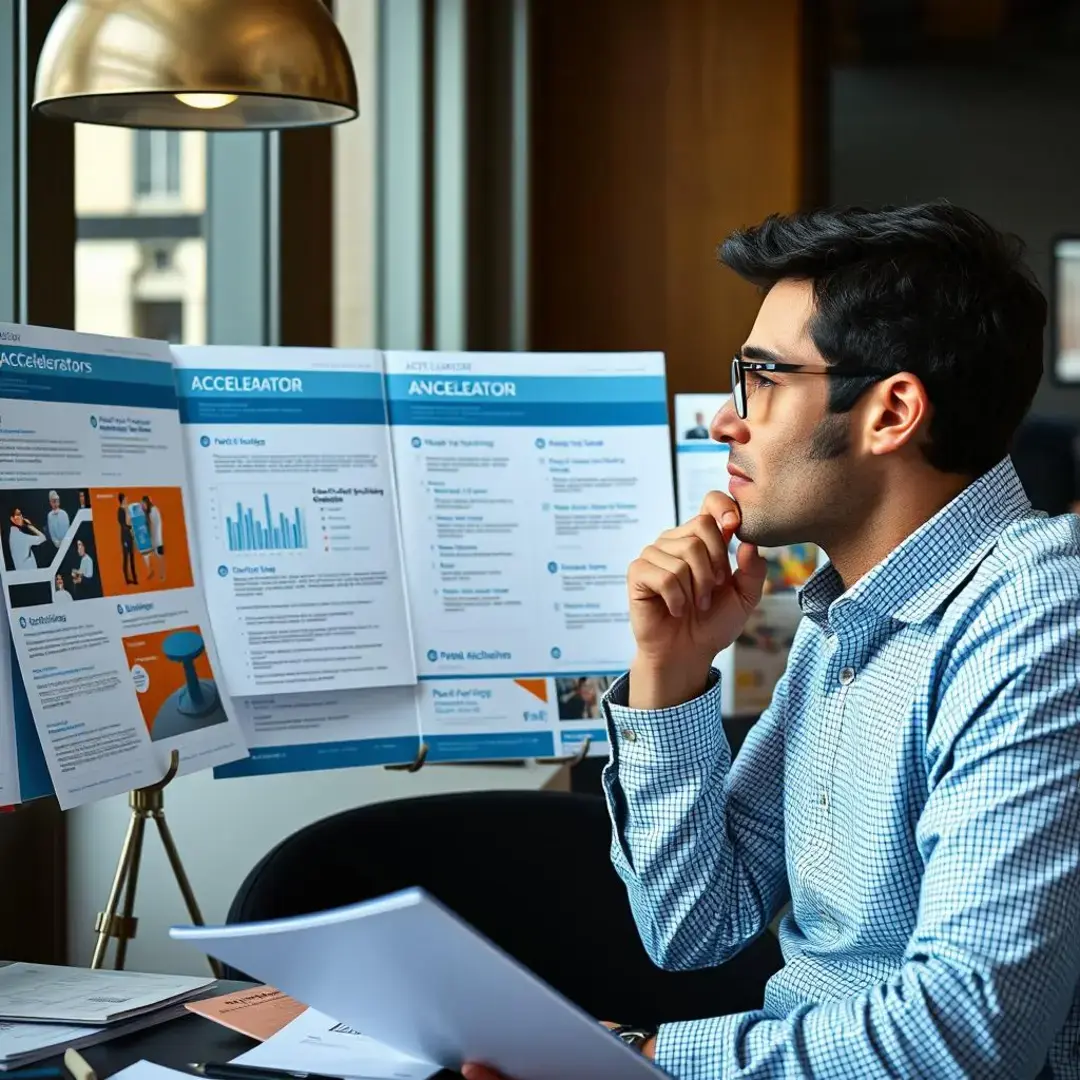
898	413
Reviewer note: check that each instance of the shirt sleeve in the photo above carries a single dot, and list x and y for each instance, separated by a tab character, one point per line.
698	842
992	966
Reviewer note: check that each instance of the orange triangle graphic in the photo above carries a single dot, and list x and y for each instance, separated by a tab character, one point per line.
536	687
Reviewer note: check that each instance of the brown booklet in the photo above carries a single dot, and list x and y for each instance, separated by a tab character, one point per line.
258	1013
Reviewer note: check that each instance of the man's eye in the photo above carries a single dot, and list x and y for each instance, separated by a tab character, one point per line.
760	380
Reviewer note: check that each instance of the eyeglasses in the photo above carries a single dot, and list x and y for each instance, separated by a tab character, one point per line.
739	368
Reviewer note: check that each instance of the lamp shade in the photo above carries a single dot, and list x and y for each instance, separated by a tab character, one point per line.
214	65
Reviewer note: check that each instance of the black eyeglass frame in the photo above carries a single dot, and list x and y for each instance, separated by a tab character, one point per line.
739	368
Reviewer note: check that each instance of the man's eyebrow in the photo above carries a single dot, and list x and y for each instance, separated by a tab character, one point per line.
755	352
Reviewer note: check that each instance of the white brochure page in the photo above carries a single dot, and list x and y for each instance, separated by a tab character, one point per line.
296	518
110	629
528	483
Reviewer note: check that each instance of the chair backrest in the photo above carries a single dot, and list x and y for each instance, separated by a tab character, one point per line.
530	870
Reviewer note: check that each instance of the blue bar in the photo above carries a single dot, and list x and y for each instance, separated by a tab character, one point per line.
490	746
390	750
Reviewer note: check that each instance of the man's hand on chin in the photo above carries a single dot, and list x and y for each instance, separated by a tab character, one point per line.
482	1072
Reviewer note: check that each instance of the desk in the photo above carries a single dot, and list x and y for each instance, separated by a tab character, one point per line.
177	1043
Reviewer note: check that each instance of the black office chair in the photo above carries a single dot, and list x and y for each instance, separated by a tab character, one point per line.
528	869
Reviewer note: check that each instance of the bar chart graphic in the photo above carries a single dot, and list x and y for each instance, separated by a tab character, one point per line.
265	529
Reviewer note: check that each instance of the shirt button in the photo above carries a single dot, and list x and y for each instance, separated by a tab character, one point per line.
629	734
847	676
824	800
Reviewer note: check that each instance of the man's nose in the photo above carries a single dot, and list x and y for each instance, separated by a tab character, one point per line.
726	425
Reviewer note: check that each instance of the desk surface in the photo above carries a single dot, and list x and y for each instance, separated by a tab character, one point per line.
177	1043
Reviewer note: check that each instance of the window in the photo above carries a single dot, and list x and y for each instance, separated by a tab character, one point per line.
140	253
162	320
157	164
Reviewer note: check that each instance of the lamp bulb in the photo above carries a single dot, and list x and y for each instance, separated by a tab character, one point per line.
206	101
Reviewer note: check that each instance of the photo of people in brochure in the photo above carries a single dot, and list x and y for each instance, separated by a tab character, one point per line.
579	696
48	540
144	544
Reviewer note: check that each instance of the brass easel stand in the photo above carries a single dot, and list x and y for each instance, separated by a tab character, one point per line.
146	802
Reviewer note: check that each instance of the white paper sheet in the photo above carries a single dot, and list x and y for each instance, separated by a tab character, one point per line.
296	519
408	972
313	1042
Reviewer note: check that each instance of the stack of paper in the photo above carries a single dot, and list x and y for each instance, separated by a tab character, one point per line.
49	994
23	1043
44	1009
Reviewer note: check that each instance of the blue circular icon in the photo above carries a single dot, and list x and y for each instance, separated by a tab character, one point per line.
553	567
93	421
416	441
22	622
556	653
432	655
540	444
120	609
222	571
205	440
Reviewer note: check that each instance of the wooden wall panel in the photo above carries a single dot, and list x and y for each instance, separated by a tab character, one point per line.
659	126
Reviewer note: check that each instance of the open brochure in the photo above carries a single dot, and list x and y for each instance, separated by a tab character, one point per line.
409	973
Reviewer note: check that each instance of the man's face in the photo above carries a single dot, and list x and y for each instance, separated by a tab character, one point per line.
54	502
17	519
792	470
81	547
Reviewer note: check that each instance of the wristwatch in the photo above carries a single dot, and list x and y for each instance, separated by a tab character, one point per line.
637	1037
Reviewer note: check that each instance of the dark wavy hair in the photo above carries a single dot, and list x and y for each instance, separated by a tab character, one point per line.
933	290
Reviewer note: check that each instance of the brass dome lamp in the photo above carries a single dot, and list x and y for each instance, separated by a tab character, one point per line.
212	65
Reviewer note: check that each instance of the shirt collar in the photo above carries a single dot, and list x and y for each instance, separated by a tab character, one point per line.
926	568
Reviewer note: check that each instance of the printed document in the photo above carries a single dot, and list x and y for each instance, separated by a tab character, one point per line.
528	483
432	988
296	516
110	628
315	1043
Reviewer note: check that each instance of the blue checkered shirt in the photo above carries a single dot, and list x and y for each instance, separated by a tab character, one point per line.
913	790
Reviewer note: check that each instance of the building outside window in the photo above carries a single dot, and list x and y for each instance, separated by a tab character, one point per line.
157	164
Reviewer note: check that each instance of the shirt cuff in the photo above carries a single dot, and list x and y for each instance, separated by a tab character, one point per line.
716	1047
663	737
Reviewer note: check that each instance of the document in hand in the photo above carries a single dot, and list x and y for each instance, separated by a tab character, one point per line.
410	973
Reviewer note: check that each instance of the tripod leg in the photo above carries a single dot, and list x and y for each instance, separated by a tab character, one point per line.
182	880
107	918
127	925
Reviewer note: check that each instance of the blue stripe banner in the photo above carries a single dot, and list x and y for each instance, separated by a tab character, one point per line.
90	391
489	746
503	413
309	757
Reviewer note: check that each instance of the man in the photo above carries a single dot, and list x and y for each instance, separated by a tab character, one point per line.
127	540
914	788
699	430
57	521
84	572
23	537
